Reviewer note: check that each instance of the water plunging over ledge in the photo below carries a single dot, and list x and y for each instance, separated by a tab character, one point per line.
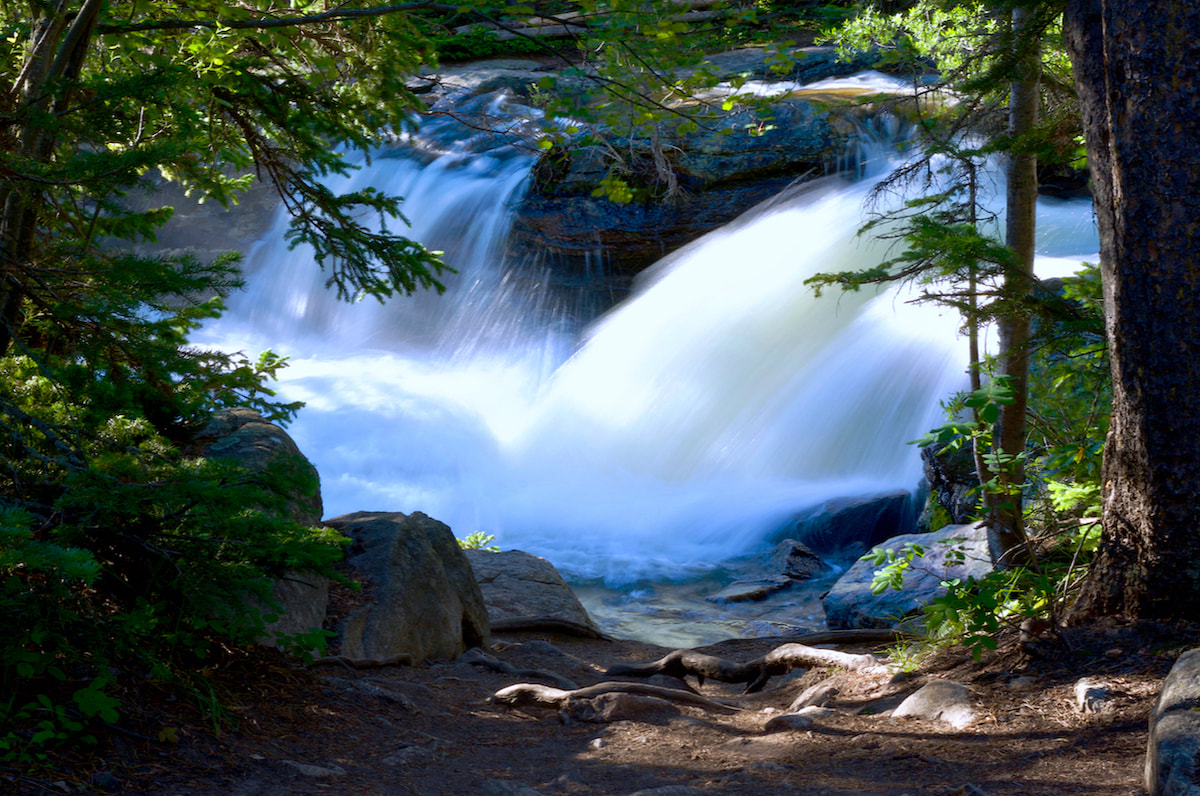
671	436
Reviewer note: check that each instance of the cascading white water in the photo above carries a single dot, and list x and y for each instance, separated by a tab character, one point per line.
720	399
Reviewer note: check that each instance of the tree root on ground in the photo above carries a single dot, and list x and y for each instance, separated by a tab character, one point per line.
477	657
533	695
402	659
755	673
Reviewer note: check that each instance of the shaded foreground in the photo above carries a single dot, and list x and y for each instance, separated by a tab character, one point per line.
432	730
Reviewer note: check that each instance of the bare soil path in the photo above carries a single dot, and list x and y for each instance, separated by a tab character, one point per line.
432	730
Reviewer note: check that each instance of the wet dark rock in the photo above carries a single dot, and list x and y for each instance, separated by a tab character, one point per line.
795	560
846	527
687	185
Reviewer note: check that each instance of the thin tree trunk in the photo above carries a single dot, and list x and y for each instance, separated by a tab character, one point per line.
1006	536
1138	78
58	47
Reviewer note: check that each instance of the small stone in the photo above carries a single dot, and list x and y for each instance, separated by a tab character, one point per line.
597	743
942	700
789	721
815	712
1114	653
820	694
1091	696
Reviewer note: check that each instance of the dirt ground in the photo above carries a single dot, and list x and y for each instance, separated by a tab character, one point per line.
432	730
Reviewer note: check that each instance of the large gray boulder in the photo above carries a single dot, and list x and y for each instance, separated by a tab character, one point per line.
424	599
245	437
518	585
1173	750
851	604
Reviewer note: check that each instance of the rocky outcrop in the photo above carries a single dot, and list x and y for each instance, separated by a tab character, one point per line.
683	186
953	481
518	586
689	181
851	604
424	600
1173	750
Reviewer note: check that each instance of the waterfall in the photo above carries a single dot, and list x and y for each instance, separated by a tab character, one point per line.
678	431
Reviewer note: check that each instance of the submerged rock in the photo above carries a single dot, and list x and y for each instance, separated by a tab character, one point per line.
795	560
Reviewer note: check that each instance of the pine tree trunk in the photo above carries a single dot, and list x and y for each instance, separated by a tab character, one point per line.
1139	84
58	46
1006	536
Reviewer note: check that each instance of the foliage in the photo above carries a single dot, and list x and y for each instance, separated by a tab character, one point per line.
1069	411
479	540
124	555
127	555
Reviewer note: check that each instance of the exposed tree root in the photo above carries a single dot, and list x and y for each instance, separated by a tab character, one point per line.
532	695
477	657
755	673
864	635
402	659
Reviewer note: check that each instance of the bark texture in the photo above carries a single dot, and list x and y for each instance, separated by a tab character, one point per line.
1139	85
1006	536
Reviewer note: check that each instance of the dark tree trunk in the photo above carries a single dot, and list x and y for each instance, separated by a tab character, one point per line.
1139	84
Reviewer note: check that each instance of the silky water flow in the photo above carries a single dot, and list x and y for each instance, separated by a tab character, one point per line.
649	453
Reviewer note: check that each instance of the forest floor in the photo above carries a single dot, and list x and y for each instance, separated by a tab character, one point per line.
431	730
